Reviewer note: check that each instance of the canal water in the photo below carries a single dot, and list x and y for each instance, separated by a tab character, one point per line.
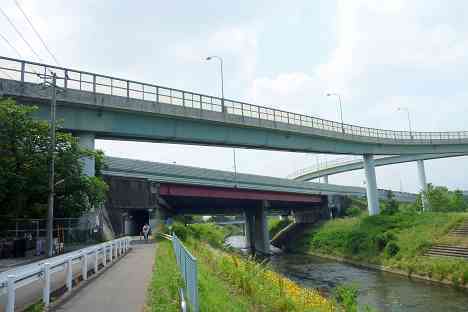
380	290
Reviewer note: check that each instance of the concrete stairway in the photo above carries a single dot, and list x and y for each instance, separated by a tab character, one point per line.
455	245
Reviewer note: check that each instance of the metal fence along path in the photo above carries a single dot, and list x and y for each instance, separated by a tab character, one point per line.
44	271
72	79
188	267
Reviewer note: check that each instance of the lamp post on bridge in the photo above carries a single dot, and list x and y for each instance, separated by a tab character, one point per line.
341	108
223	108
220	59
409	119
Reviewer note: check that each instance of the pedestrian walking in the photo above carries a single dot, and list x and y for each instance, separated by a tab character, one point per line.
146	229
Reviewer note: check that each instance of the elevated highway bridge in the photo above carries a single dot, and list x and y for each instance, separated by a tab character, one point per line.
140	189
99	106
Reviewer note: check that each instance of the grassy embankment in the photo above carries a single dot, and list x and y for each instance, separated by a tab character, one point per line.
397	241
227	282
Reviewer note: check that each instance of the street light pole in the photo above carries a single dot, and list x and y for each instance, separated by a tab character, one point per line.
50	209
222	78
409	119
341	108
223	108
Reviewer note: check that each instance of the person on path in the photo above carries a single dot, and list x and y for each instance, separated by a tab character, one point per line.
146	229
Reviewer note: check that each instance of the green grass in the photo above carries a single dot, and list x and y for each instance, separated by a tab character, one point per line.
166	281
214	294
396	241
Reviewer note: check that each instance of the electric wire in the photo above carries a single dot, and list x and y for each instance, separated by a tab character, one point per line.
11	45
36	32
20	34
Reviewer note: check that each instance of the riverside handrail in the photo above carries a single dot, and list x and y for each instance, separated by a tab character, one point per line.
104	253
26	71
188	267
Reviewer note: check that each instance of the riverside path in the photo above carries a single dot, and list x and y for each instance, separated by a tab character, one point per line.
122	288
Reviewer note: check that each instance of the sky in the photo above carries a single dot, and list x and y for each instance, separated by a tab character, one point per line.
378	55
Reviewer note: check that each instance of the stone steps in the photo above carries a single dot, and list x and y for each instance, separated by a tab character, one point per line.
456	251
448	251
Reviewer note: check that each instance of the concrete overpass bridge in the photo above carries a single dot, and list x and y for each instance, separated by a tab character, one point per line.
142	190
100	106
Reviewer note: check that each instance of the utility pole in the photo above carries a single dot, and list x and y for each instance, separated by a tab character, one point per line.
50	209
235	167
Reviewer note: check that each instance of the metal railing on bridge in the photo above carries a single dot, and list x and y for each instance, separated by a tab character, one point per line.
24	71
329	163
12	280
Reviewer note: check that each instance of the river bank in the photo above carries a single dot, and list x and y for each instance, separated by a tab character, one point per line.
226	280
392	243
378	289
409	275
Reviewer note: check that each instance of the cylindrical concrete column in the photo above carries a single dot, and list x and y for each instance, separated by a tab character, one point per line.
423	184
325	179
86	140
371	185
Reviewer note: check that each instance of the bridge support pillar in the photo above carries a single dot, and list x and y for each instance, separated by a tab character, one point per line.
325	179
257	235
86	140
423	184
371	185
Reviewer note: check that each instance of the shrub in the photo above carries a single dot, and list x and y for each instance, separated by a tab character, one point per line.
353	211
180	230
391	249
464	277
381	240
347	295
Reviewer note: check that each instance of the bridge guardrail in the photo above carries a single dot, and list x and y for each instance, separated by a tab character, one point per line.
25	71
22	276
327	164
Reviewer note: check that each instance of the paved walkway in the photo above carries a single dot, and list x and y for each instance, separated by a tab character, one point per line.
122	287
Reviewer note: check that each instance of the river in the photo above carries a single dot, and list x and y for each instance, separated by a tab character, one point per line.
380	290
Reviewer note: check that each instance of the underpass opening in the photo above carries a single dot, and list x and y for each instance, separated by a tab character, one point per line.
135	220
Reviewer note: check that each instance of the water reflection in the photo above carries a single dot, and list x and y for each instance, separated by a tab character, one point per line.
384	291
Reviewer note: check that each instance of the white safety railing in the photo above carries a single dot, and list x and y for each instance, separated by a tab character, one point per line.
71	79
188	267
328	164
105	253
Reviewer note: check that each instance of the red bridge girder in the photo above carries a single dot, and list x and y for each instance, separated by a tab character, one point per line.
170	189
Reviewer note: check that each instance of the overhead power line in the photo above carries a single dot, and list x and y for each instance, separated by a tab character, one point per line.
10	45
36	32
20	34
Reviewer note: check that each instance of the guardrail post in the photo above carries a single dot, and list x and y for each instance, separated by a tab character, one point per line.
84	266
104	255
128	88
23	65
10	306
46	288
96	260
111	253
65	79
69	273
94	83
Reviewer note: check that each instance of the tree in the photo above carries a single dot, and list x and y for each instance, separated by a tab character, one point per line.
24	143
391	205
